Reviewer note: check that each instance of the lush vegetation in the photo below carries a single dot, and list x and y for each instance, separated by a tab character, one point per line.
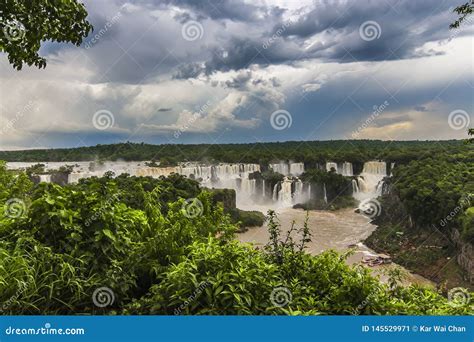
311	153
438	192
26	24
138	237
428	200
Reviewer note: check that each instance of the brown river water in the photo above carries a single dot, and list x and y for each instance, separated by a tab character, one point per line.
331	230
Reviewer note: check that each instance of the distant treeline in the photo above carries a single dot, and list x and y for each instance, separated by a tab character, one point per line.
310	152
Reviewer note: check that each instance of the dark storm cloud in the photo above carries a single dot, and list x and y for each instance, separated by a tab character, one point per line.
147	41
235	10
401	30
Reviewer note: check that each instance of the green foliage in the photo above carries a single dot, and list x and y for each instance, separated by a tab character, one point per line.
135	236
26	24
463	11
437	192
312	153
247	218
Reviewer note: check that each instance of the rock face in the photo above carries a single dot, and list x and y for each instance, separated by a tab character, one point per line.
465	258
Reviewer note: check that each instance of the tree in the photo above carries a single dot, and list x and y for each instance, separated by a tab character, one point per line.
24	25
463	11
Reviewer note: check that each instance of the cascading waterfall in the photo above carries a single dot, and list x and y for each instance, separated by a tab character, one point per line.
296	169
45	178
344	169
275	192
238	177
355	187
285	195
281	168
288	169
370	180
331	165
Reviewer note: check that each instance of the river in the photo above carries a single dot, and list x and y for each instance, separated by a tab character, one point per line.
331	230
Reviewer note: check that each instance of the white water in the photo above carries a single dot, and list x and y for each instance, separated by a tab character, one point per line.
45	178
370	180
288	169
344	168
235	176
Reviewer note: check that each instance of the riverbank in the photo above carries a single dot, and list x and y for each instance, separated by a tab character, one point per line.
341	230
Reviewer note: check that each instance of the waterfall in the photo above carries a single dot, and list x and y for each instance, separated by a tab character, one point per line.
288	169
347	169
284	195
296	169
344	169
263	188
370	180
280	168
355	187
325	194
45	178
275	192
331	165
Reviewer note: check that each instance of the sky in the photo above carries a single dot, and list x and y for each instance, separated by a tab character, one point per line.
224	71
